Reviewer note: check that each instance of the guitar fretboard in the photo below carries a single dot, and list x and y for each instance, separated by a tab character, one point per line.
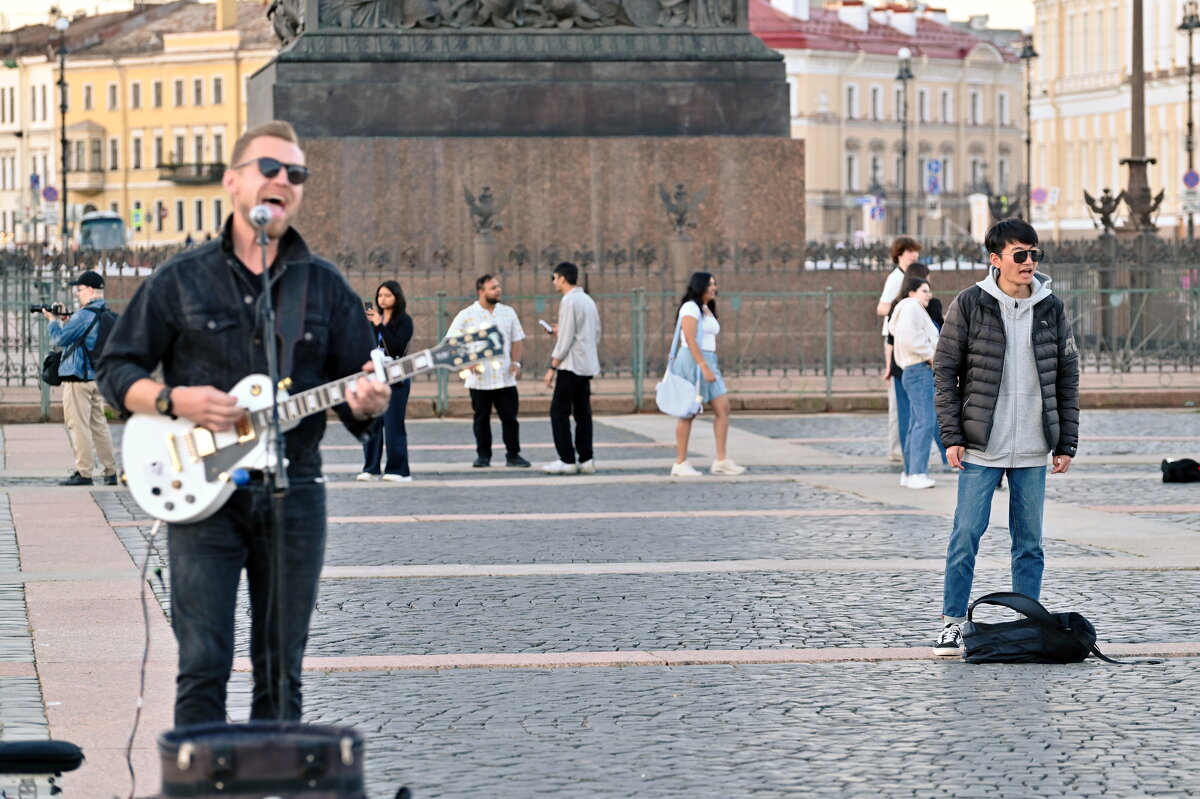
322	398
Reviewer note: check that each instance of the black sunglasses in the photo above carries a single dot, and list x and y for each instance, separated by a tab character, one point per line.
1019	256
269	168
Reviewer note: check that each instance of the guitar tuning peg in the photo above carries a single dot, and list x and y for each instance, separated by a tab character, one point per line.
285	384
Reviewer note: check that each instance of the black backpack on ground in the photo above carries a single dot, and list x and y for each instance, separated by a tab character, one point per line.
1184	470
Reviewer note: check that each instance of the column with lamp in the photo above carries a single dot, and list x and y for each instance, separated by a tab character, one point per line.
61	25
1191	21
904	76
1027	55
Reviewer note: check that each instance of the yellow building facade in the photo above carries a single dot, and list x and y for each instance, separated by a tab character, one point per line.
153	115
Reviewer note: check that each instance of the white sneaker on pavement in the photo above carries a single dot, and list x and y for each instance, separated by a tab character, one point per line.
558	467
920	481
398	478
684	470
365	477
904	479
587	467
726	466
949	641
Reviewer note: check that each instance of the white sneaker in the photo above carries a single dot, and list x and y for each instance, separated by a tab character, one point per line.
587	467
949	642
919	481
558	467
726	466
365	477
904	479
684	470
398	478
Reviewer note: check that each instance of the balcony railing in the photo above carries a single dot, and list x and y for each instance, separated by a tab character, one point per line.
87	181
191	173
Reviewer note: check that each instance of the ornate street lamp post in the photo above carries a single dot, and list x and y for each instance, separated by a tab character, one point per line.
904	76
61	25
1191	21
1027	55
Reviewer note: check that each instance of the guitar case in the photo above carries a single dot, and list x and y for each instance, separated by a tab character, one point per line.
262	758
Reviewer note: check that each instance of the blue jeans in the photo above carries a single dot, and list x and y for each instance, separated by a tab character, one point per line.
902	411
1026	501
206	560
922	421
392	432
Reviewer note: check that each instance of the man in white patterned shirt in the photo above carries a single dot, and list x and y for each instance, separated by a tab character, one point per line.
494	387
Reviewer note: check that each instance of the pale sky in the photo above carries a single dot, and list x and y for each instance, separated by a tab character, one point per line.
15	13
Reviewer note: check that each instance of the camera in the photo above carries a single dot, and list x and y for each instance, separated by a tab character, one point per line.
54	309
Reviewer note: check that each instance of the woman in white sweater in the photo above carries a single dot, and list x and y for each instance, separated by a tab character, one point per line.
916	338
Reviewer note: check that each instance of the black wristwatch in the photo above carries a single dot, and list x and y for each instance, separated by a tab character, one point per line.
163	403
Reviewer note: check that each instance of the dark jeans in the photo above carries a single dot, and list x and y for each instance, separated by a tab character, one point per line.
506	402
392	431
572	395
206	560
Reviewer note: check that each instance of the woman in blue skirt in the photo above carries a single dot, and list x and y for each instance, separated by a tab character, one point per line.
698	323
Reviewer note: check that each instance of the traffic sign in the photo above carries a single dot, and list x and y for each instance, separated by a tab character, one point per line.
1039	195
933	176
878	211
933	166
1191	201
933	209
1191	179
162	212
136	217
50	215
868	200
50	194
35	182
1053	198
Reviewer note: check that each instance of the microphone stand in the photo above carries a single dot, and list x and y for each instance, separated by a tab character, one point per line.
275	479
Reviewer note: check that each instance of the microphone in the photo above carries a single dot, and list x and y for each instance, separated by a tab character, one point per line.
260	216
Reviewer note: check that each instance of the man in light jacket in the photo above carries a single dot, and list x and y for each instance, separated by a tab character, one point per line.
1006	375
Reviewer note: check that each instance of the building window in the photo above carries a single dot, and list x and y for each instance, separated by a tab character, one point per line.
179	216
135	154
112	97
80	165
976	173
178	155
976	115
218	148
898	170
851	102
1002	173
851	172
135	95
199	208
876	171
218	212
218	91
198	149
178	92
97	156
158	151
115	207
876	102
1002	108
158	94
45	105
159	212
898	103
114	149
87	97
923	104
947	107
198	91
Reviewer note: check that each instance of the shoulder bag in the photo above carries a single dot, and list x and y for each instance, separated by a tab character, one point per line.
675	395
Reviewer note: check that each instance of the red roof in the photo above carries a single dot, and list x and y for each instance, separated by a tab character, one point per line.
824	31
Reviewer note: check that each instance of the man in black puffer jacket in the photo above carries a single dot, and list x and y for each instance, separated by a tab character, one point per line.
1006	379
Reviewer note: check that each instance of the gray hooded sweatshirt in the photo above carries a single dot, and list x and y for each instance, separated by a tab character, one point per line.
1017	440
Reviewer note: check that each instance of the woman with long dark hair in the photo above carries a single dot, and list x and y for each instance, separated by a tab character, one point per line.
916	338
698	328
393	331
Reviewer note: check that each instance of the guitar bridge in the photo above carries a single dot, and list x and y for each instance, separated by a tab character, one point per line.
245	429
201	439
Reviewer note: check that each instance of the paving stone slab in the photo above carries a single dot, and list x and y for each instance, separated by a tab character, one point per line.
839	730
22	714
16	644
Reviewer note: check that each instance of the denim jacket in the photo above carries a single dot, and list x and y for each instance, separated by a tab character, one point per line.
75	362
196	315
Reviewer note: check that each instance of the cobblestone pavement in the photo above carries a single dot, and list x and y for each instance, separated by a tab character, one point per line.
879	729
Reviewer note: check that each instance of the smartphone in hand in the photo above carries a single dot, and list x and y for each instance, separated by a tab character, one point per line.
368	306
545	325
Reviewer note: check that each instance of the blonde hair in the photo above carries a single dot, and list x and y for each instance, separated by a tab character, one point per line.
276	128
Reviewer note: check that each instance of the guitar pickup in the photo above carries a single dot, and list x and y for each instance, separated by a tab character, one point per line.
174	453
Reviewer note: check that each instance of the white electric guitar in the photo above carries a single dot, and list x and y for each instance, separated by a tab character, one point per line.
180	472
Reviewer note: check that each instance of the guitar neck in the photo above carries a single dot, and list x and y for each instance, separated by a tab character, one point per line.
322	398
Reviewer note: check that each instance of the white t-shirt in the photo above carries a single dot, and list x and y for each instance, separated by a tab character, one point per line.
891	290
707	328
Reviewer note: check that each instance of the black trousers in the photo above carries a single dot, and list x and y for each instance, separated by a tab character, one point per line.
506	402
572	395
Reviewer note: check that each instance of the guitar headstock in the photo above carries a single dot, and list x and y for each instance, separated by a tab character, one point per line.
470	347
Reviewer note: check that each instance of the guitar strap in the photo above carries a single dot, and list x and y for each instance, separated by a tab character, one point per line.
292	303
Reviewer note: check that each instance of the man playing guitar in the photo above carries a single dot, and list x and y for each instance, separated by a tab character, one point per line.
198	316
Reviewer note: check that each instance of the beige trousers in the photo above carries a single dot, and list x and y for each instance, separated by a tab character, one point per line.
83	412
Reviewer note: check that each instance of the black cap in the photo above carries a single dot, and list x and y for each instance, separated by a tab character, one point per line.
90	279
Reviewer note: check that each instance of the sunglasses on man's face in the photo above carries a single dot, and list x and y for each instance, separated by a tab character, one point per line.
1019	256
269	168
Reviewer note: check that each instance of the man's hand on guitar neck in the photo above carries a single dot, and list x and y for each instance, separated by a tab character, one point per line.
368	398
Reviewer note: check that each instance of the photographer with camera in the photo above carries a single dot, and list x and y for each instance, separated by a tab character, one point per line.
80	338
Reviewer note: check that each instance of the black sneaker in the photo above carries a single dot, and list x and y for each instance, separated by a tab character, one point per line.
949	641
482	462
110	479
76	479
517	460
